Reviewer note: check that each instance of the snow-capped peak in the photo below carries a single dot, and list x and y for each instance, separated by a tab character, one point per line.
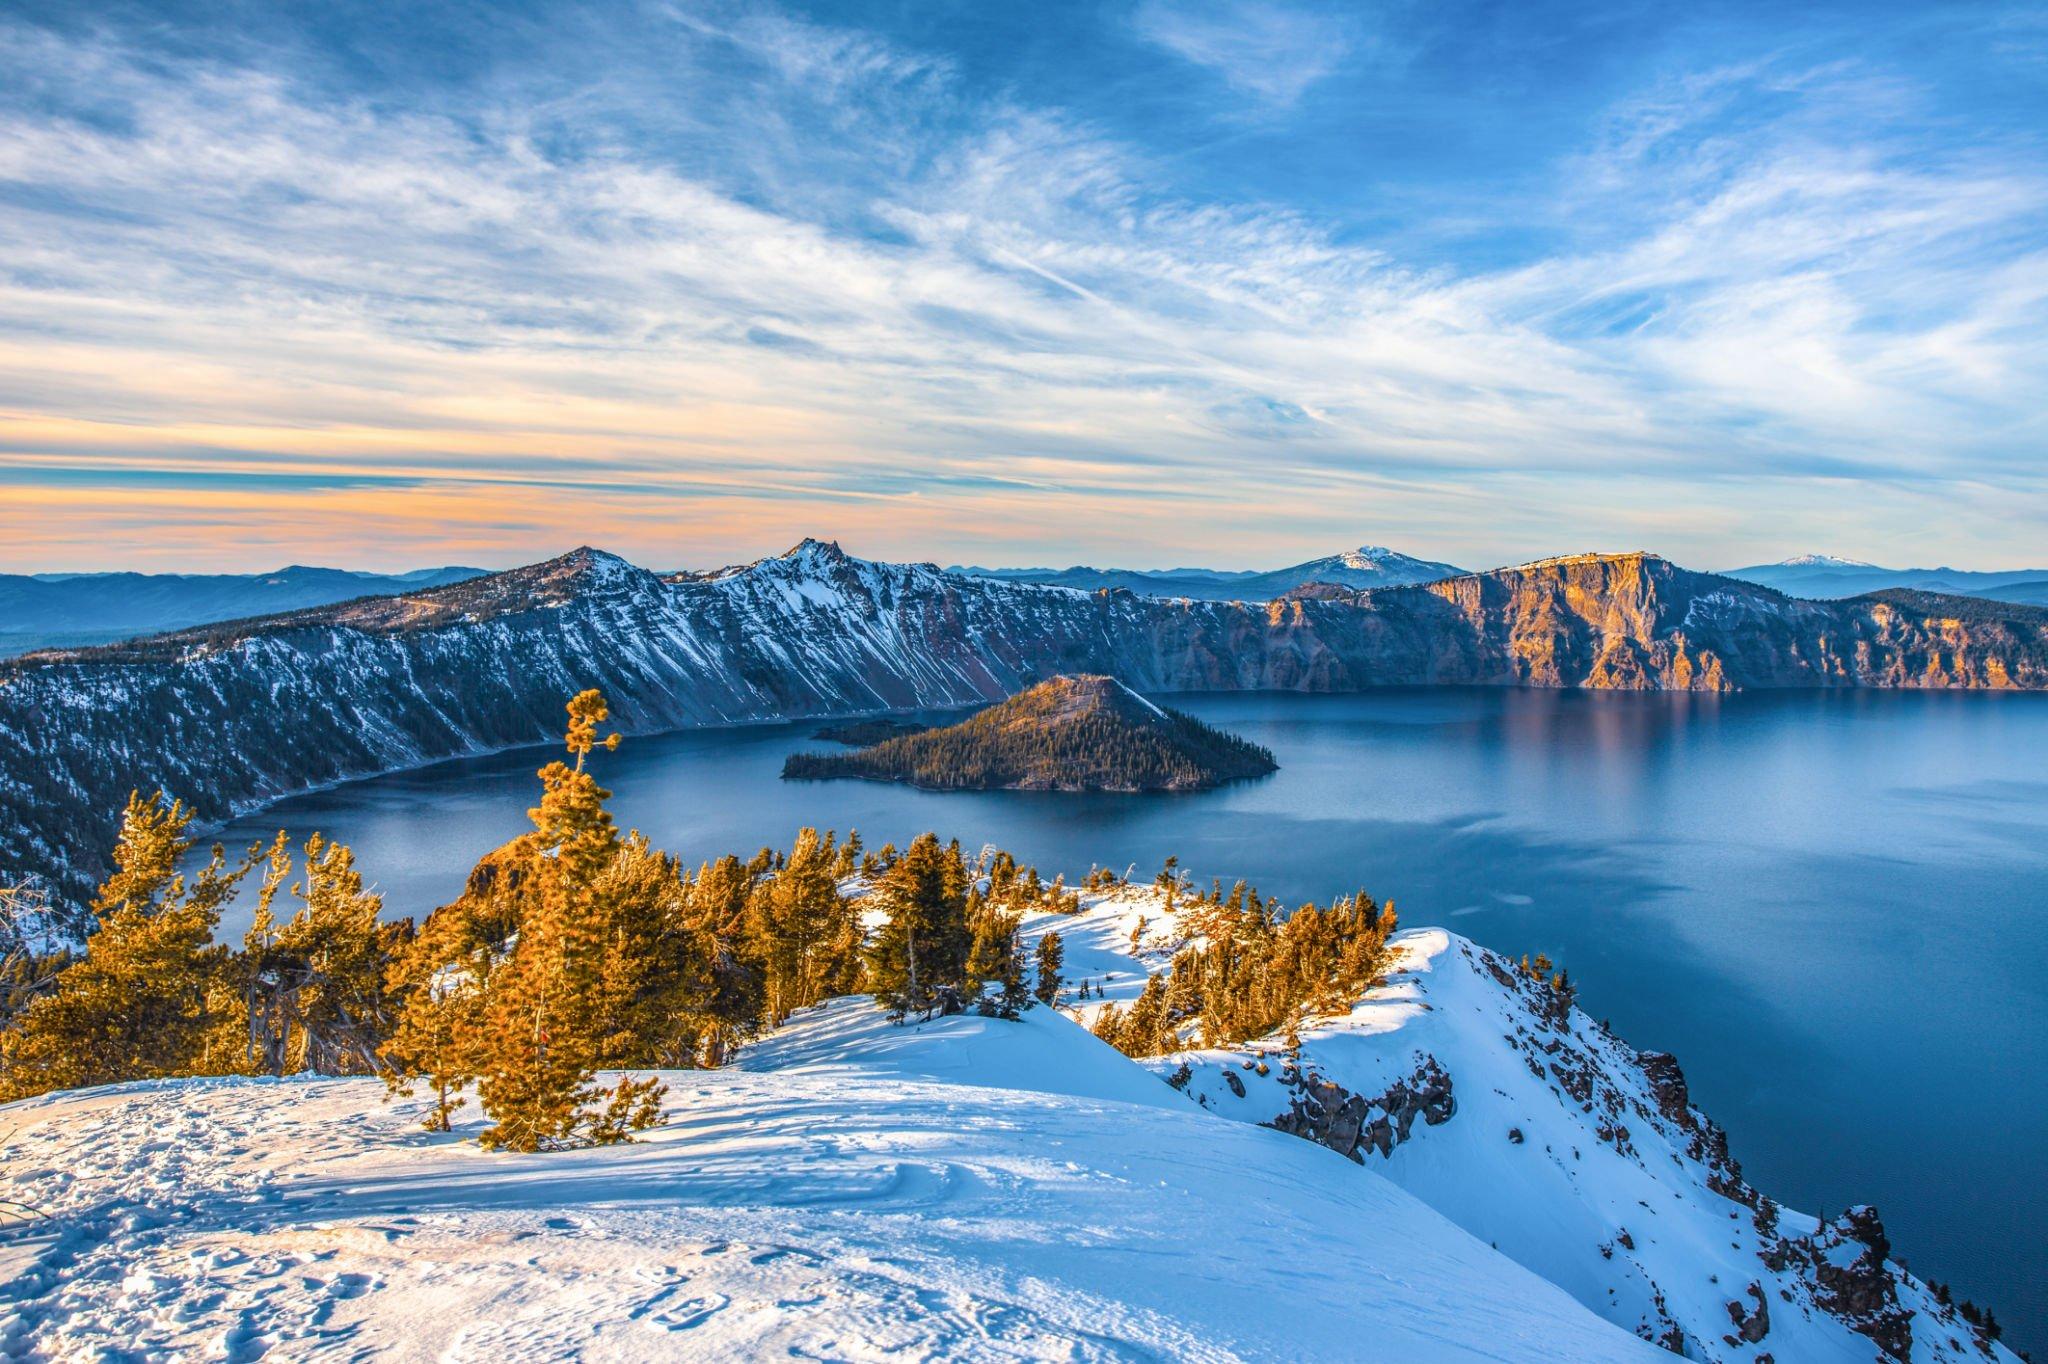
1371	556
1822	561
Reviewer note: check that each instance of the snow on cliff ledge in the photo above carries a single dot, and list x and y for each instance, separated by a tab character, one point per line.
1494	1101
967	1189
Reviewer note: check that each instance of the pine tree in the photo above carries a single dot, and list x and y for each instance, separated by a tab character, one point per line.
135	1006
315	997
994	958
1050	957
797	922
1145	1030
543	1009
918	959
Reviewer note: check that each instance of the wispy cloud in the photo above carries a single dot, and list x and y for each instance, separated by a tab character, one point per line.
772	277
1269	50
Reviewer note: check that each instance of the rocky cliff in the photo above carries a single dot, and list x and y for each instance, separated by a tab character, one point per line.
1483	1090
232	716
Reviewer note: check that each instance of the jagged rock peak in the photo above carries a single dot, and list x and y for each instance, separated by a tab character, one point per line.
810	548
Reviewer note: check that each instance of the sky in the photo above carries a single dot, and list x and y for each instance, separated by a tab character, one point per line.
1138	282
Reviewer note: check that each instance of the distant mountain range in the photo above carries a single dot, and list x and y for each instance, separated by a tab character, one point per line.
233	716
1825	577
1366	566
69	610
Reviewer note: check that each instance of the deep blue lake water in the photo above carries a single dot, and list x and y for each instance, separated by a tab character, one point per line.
1833	908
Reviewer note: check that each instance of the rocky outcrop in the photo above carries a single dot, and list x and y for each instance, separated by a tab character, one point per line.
1352	1124
1609	1181
1848	1262
233	716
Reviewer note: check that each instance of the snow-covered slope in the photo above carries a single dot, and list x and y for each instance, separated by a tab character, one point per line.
1489	1097
966	1189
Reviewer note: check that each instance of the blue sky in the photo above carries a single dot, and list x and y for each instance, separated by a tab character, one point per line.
1144	282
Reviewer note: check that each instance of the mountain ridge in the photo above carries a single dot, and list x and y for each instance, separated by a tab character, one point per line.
233	716
1483	1089
1826	577
92	608
1365	566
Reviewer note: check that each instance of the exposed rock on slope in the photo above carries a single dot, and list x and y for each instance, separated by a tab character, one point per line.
231	717
1493	1099
1082	733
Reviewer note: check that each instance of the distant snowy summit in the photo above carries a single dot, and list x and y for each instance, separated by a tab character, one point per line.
1828	577
1822	561
1364	567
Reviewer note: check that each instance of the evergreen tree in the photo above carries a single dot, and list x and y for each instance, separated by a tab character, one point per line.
917	962
1051	956
315	993
135	1005
798	924
995	959
544	1006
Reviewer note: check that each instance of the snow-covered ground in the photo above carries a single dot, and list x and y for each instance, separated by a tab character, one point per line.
1469	1085
1459	1167
964	1189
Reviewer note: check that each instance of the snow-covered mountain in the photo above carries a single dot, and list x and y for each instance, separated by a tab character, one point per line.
1825	577
968	1189
231	717
1366	566
1493	1099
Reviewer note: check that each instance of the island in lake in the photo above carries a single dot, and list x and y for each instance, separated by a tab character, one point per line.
1073	733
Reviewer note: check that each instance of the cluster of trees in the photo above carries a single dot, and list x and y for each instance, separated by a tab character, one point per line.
1049	738
573	949
1252	971
576	949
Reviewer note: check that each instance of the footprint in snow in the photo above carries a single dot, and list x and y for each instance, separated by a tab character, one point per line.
688	1316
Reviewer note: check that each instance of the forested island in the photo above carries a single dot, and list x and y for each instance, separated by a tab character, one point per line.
1072	733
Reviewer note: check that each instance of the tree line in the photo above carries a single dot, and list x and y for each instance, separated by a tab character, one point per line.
576	949
573	949
1250	970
